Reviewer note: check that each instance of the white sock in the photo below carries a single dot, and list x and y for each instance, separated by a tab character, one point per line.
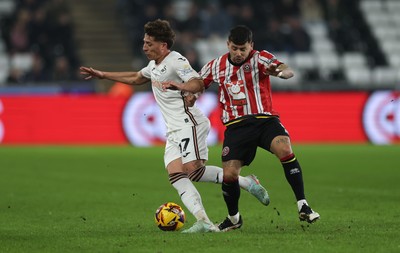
191	198
215	174
300	203
212	174
234	218
201	215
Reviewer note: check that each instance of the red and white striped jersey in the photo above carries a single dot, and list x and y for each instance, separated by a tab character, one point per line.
243	89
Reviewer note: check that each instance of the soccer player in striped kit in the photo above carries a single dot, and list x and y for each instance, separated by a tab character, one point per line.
186	150
243	75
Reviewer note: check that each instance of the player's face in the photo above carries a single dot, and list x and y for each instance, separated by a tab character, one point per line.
154	50
239	53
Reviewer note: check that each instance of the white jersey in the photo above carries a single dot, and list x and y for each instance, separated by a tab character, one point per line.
177	68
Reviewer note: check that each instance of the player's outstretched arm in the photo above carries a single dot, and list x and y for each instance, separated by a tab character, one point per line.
128	77
194	85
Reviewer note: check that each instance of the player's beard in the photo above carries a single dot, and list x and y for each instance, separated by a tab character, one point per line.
238	60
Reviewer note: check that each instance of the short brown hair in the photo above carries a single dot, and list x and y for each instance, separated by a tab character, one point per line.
240	35
161	31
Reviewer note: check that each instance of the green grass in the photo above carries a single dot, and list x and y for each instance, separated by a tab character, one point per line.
102	199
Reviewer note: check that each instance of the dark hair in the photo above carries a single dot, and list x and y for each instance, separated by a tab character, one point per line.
161	31
240	35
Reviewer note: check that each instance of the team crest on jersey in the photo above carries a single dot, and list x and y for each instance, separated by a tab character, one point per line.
237	92
225	151
247	67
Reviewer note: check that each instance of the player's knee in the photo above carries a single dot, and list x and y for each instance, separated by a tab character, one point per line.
230	178
282	150
231	170
230	175
193	165
285	151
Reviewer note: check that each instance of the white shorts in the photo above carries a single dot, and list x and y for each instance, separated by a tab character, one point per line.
188	143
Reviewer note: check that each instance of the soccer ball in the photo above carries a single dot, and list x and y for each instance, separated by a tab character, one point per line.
170	217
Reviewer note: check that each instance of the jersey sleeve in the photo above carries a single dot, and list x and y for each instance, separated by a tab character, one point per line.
267	58
146	71
184	69
206	74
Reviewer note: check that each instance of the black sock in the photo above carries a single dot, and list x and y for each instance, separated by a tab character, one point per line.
231	193
294	175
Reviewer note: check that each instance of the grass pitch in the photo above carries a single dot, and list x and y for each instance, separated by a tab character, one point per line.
102	199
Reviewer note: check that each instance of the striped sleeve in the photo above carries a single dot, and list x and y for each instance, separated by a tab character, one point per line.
206	74
267	58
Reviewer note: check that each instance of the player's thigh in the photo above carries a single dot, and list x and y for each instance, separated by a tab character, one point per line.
281	146
240	142
172	151
189	144
274	136
175	166
193	143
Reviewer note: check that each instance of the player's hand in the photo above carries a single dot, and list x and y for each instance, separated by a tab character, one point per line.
171	85
89	73
190	99
273	70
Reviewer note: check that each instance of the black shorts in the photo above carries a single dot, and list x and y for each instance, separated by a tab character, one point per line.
241	139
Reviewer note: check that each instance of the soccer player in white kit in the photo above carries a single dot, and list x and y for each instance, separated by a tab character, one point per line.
186	150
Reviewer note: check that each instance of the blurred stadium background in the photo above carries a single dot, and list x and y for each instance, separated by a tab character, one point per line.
346	56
